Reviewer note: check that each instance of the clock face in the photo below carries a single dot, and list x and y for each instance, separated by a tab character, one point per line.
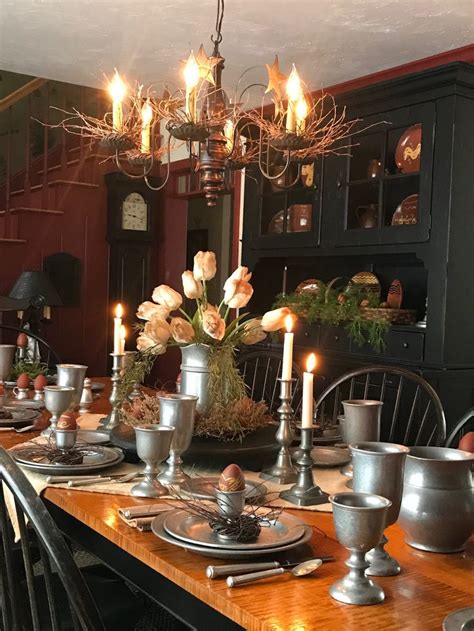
134	213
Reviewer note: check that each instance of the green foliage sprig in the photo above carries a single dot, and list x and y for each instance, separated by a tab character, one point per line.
31	368
340	308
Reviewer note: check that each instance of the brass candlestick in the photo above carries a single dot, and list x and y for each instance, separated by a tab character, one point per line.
113	419
283	471
305	492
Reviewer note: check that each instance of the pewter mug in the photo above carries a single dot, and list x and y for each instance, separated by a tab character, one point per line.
7	354
361	420
378	468
195	374
72	375
437	511
178	411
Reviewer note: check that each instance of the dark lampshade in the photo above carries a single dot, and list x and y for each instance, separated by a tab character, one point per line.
36	288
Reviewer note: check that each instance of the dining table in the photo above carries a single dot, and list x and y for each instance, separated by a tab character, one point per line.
429	587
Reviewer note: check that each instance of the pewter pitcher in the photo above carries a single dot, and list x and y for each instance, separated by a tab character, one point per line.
195	374
437	511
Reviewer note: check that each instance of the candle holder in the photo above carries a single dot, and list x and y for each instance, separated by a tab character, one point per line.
113	419
305	492
283	471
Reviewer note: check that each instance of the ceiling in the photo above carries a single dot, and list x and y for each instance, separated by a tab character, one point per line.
329	40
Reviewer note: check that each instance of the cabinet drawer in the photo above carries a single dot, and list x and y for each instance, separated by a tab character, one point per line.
334	338
307	334
406	345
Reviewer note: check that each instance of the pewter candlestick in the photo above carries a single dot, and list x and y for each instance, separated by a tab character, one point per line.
283	471
305	492
113	419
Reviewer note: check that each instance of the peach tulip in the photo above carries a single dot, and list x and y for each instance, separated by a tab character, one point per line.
149	309
192	288
213	324
165	295
241	273
205	266
275	319
145	343
158	330
181	330
253	332
238	293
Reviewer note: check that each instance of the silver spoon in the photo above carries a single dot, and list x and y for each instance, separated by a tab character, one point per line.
303	569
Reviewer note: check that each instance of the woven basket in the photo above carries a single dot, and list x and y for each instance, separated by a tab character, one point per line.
395	316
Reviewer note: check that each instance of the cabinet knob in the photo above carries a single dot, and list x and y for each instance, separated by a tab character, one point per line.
306	333
405	344
336	337
339	184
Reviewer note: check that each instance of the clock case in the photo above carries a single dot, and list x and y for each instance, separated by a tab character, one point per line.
119	186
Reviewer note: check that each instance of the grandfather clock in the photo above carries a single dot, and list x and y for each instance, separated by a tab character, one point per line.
131	211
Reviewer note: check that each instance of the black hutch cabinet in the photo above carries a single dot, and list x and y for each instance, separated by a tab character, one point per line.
400	204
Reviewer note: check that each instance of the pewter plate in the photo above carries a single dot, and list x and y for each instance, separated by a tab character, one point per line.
94	437
94	460
196	530
24	403
19	417
205	489
157	527
326	457
455	620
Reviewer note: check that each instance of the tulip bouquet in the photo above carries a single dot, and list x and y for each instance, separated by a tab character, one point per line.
166	324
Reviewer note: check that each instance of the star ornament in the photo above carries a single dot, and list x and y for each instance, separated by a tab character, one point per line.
206	65
276	79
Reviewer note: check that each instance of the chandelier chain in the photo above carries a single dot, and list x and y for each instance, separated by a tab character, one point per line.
217	38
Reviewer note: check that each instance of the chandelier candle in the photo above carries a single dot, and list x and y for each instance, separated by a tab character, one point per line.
118	329
123	337
147	117
294	93
191	77
117	91
287	364
307	404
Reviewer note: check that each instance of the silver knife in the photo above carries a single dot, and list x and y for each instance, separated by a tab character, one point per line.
216	571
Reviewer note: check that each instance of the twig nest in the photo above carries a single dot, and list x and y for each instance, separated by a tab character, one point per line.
23	380
232	479
40	382
67	420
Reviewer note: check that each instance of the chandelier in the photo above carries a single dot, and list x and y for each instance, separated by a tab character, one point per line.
222	136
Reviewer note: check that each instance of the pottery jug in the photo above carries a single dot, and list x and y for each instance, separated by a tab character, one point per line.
195	374
367	216
437	511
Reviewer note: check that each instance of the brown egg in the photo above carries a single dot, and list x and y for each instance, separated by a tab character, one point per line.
23	380
22	340
67	420
40	382
467	442
232	479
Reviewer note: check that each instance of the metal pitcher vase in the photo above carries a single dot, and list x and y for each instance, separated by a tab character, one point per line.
195	374
437	511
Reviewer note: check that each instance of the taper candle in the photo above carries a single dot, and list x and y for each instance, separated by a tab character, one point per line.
294	93
287	364
117	89
117	329
147	117
123	336
307	404
191	78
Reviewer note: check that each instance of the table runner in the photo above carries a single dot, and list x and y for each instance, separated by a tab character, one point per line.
330	480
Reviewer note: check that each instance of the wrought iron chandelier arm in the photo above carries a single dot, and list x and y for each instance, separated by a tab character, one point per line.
261	166
165	181
133	176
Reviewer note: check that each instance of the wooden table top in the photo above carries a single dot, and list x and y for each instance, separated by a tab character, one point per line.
429	587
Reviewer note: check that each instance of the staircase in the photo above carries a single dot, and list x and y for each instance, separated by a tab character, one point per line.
53	198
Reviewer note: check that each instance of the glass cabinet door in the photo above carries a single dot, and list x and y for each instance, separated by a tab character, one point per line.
384	185
289	208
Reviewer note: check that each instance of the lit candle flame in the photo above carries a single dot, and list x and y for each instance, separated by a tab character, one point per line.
191	72
293	86
117	88
118	311
289	323
311	363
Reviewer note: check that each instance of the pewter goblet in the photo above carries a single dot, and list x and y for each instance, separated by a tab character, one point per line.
153	445
57	400
72	375
378	468
7	354
359	519
178	411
